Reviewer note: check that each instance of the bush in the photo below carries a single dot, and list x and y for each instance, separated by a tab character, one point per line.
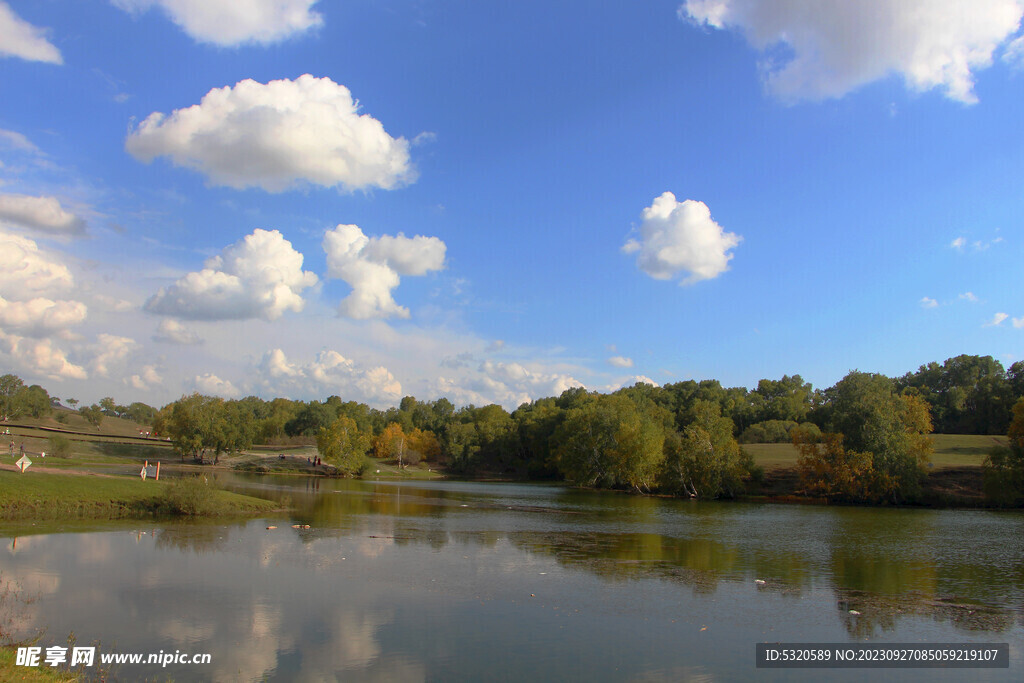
58	446
192	497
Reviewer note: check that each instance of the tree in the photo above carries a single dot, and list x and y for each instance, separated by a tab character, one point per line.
109	406
10	386
610	441
391	443
93	414
310	419
1004	466
892	428
35	401
705	461
830	470
343	445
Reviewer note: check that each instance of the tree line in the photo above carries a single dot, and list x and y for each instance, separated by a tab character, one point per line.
865	438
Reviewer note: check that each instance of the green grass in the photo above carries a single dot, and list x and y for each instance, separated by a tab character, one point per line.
951	450
10	671
40	495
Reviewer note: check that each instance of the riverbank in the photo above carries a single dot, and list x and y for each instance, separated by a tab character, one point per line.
42	493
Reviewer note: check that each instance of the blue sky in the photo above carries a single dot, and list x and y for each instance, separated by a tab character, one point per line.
495	201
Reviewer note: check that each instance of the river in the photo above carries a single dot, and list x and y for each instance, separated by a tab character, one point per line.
456	581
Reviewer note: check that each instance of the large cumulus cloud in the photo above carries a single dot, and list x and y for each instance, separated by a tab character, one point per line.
277	135
372	266
259	276
835	47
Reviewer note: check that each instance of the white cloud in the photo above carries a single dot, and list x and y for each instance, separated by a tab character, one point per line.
680	237
832	48
40	317
18	38
507	384
234	22
26	271
111	351
958	243
928	303
15	140
213	385
1018	322
149	377
1014	52
620	362
173	332
259	276
44	214
329	373
277	135
968	296
39	356
372	265
997	319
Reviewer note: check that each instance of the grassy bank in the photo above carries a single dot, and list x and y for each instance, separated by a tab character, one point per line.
10	671
58	495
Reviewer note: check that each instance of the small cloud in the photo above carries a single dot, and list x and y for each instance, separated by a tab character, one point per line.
620	362
927	302
1018	322
173	332
1014	53
17	141
462	360
424	138
41	214
958	243
18	38
681	239
997	320
495	346
968	296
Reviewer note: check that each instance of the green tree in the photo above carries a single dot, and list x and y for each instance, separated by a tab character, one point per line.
35	401
93	414
10	387
109	406
873	418
1004	466
705	461
343	445
610	441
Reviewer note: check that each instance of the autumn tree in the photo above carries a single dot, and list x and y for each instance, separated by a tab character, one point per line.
391	443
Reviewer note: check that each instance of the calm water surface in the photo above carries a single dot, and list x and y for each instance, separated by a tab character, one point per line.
463	581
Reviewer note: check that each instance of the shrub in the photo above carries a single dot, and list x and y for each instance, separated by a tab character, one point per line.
191	496
58	446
